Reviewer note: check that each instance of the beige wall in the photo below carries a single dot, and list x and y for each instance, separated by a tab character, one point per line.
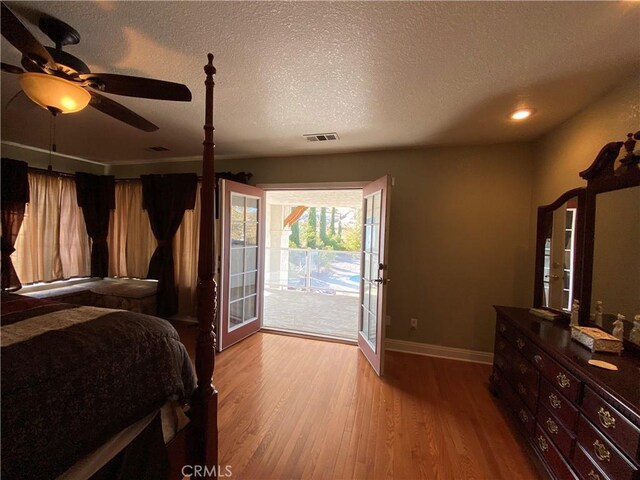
571	148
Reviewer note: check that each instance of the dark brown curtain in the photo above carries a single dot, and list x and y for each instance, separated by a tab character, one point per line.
165	198
96	196
15	194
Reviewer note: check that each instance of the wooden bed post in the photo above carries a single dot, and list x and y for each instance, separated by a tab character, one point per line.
203	446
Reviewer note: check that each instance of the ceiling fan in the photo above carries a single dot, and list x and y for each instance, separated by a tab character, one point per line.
62	83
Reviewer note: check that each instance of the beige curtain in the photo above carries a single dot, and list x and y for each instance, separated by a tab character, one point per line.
53	243
185	254
75	244
131	241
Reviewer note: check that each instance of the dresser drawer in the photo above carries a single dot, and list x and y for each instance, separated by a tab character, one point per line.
585	467
512	402
560	378
527	349
564	410
525	380
603	453
556	431
505	328
552	456
609	421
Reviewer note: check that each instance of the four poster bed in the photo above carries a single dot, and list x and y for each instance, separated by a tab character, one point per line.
90	392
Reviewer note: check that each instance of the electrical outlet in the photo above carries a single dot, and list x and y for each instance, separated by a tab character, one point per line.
414	323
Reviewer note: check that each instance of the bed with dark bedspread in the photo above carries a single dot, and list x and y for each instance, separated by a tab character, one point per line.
73	376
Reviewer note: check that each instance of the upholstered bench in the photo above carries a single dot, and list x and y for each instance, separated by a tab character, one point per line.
119	293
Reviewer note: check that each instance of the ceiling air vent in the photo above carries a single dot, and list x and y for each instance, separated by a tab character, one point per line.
320	137
158	149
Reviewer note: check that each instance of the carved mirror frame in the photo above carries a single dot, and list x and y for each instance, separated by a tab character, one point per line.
604	175
545	219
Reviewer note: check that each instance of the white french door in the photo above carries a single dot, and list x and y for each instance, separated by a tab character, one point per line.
242	273
374	276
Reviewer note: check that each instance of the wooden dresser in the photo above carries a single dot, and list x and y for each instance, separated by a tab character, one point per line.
581	421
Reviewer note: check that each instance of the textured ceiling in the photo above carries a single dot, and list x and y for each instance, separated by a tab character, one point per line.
381	74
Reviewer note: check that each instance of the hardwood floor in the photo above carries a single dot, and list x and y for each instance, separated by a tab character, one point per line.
297	408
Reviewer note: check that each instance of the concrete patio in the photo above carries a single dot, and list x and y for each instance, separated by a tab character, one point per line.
334	315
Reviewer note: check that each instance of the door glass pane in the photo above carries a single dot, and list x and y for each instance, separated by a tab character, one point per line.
374	266
369	211
251	233
377	198
237	234
236	261
372	330
250	281
373	297
235	287
237	208
252	209
250	308
375	238
367	238
364	327
235	313
250	259
367	266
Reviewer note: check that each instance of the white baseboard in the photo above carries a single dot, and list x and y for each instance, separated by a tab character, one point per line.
428	350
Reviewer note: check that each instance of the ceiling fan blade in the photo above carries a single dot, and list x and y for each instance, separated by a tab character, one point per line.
21	38
120	112
139	87
11	68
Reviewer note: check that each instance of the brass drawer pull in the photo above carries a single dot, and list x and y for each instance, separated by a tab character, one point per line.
538	360
551	426
601	451
593	475
520	343
563	381
521	389
544	446
553	400
523	416
502	328
523	368
606	419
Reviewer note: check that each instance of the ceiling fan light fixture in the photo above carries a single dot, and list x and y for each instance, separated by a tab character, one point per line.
54	93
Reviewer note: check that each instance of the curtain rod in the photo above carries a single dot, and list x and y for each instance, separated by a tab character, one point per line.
50	172
72	175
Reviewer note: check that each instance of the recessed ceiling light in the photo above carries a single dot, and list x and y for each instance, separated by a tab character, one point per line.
521	114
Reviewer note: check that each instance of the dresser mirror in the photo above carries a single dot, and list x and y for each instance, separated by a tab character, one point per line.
616	258
558	244
611	267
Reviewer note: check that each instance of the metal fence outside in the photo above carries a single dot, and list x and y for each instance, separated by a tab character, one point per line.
324	271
